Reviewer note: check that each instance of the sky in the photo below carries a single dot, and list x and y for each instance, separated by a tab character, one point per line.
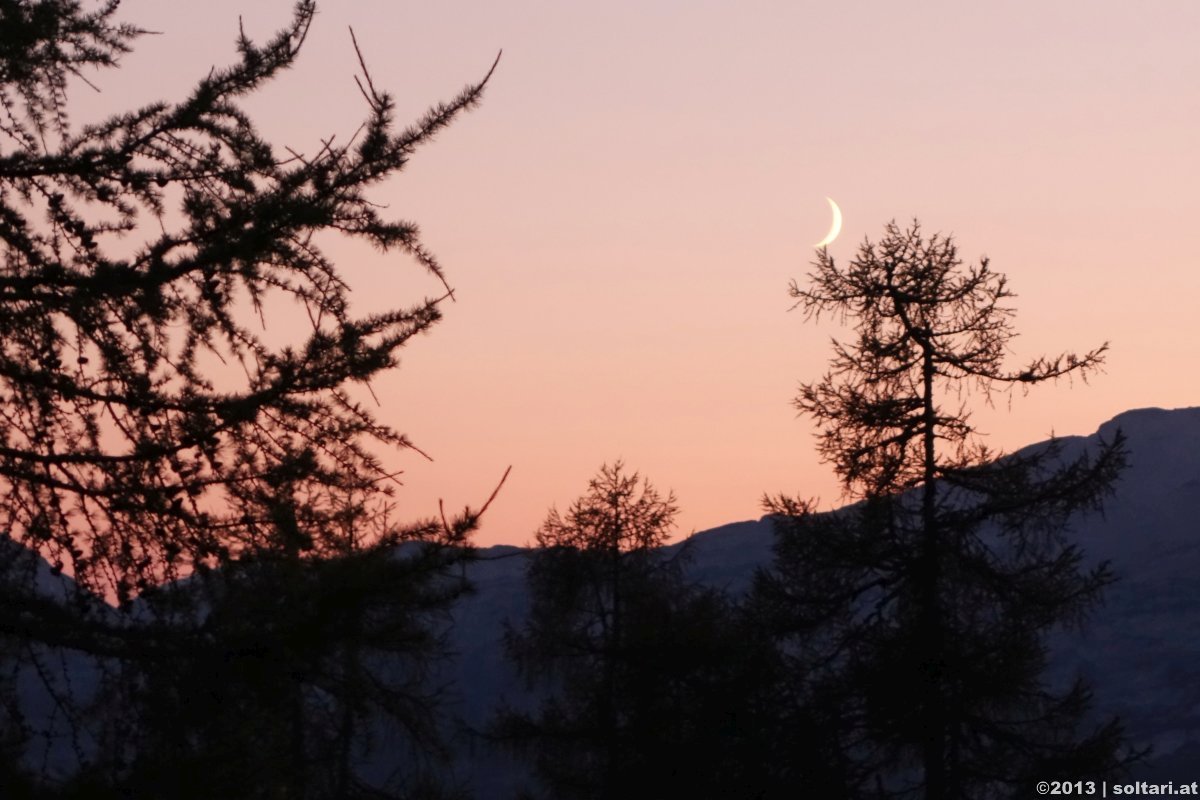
621	217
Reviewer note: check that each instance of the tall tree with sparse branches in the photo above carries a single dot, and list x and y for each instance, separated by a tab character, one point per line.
150	429
919	616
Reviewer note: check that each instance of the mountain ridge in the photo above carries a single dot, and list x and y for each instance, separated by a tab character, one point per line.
1140	650
1131	650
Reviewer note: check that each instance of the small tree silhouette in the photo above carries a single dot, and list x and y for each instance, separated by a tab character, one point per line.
590	565
152	432
649	685
645	674
919	616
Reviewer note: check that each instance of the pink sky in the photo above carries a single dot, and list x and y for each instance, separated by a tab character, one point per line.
622	216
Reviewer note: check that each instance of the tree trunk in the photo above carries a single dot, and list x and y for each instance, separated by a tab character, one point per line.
933	755
611	733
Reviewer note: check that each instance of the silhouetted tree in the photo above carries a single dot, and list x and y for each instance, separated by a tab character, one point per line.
646	677
153	432
311	674
916	620
589	566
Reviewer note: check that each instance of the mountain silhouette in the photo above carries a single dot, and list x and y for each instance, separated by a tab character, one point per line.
1140	650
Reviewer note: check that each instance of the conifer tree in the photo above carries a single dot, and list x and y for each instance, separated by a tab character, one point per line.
153	432
589	565
917	619
638	669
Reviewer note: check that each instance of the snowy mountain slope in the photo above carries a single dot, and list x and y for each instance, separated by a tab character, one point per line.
44	677
1141	650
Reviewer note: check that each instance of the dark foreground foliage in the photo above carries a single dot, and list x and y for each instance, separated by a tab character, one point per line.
654	686
228	495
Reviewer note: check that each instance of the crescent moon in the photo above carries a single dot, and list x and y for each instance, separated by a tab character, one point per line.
834	229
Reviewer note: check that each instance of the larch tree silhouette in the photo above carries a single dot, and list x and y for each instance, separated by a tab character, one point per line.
642	675
228	495
917	619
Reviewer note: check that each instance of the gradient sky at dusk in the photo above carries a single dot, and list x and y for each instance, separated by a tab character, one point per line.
621	217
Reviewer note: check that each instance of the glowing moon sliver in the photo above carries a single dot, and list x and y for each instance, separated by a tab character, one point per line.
834	229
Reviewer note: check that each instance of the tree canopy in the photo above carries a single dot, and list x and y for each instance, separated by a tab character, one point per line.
152	431
918	617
